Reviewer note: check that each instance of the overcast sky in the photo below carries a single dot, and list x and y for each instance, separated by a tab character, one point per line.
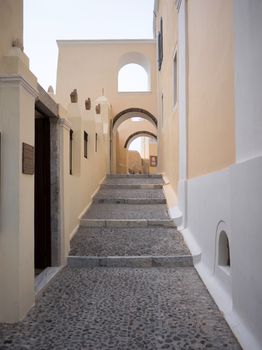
49	20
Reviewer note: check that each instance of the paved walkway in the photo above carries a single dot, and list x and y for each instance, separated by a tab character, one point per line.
124	308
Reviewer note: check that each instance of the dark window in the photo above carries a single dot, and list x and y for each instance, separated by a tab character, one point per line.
175	79
178	4
71	153
96	142
85	144
160	44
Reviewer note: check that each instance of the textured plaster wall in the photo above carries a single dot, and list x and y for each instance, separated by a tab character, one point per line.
91	66
211	136
11	24
17	100
248	77
246	189
169	122
232	195
134	161
88	172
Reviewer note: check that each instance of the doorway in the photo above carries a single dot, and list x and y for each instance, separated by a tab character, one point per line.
42	193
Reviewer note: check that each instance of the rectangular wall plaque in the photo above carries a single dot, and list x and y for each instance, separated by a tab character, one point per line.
28	159
153	161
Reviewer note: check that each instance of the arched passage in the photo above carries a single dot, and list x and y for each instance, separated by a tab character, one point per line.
132	113
118	123
139	134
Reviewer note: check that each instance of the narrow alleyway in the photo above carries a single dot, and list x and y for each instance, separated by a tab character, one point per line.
130	283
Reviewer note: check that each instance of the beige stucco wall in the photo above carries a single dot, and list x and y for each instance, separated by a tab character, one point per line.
17	100
134	161
87	173
91	66
17	204
211	140
11	24
169	122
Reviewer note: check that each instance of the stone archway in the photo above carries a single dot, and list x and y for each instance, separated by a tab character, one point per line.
133	112
139	134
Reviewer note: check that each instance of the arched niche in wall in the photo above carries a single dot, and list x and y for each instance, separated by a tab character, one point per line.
223	260
134	73
223	250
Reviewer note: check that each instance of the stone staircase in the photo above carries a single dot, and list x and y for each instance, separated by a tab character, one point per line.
118	291
128	225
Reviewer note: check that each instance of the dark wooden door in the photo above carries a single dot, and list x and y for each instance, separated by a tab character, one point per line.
42	194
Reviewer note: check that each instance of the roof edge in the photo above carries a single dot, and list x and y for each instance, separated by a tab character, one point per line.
105	41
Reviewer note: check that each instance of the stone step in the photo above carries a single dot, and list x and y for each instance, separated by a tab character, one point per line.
141	241
135	176
130	196
111	211
130	261
130	200
131	186
116	223
133	181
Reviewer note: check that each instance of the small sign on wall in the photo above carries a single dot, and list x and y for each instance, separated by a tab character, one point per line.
28	159
153	161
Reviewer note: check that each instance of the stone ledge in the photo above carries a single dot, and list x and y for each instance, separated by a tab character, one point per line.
44	278
130	261
135	176
131	200
126	223
133	186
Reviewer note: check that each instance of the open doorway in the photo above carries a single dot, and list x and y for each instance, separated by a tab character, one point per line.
142	154
42	193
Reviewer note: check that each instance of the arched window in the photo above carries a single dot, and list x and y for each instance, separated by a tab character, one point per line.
133	78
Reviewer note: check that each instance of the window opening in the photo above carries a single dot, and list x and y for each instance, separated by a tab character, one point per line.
175	79
85	144
96	137
71	153
162	110
133	78
160	45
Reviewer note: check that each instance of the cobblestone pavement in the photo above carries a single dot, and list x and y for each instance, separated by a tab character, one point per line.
133	241
126	211
122	309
